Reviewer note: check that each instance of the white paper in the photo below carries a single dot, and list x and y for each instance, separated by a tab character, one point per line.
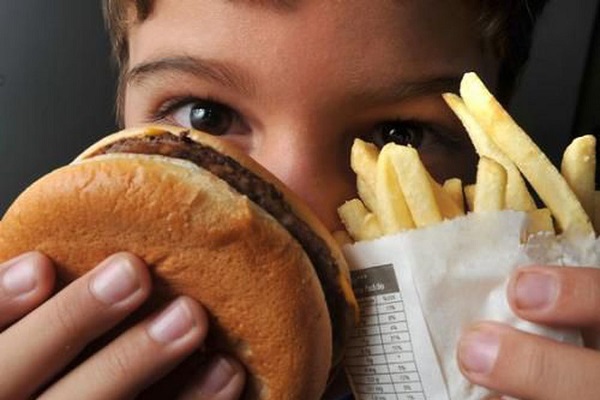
447	277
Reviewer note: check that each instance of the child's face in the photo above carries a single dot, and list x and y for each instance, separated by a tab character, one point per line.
293	86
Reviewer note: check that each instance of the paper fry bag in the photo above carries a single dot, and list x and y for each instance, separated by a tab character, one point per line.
418	290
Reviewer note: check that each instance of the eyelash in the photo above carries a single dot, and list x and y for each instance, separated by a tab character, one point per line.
436	132
170	105
439	133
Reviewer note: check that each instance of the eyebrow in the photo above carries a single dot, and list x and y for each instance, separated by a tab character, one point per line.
405	90
218	72
235	78
278	5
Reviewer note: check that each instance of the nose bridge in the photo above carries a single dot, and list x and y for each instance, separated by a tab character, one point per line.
313	164
297	157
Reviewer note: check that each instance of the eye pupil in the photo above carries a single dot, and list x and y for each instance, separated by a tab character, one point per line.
198	113
401	133
210	118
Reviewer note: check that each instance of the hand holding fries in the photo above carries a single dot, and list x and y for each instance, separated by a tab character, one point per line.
398	194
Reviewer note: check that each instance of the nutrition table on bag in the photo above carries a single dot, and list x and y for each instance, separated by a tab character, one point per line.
380	358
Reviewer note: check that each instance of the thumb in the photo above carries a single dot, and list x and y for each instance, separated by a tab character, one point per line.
223	378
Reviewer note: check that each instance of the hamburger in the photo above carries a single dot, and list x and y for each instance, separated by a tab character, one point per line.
214	225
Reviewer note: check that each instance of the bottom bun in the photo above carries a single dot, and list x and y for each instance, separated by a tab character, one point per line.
201	239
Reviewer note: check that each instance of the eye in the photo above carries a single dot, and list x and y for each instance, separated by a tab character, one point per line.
405	133
204	115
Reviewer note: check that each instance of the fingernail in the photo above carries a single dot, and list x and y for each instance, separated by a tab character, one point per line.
21	277
534	290
478	351
218	374
172	324
116	281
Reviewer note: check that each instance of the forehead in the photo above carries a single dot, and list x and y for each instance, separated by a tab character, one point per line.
347	42
395	21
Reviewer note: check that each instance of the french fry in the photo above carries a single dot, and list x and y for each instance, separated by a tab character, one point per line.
453	187
448	207
359	222
490	188
367	193
392	210
518	197
414	182
579	169
363	161
539	220
397	193
533	164
470	197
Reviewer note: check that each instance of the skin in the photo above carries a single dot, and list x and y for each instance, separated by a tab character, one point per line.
300	83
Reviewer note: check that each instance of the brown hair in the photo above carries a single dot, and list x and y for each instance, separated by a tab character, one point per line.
505	26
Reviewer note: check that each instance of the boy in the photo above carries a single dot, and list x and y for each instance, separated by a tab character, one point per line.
293	83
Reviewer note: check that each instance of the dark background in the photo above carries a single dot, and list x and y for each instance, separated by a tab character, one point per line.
57	84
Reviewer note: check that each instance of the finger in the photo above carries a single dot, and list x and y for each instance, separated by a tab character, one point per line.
556	295
222	379
138	357
527	366
25	282
33	350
